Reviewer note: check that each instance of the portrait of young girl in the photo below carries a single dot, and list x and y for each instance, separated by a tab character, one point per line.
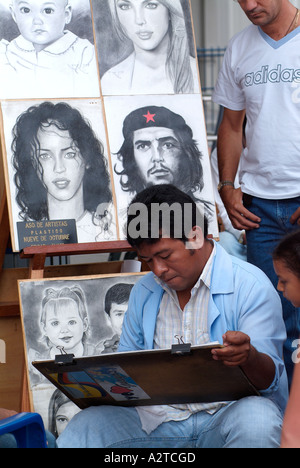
58	168
150	47
64	327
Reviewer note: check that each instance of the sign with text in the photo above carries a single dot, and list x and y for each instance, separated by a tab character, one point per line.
34	233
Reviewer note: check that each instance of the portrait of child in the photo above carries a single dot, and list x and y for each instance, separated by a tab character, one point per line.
64	326
115	306
77	315
47	60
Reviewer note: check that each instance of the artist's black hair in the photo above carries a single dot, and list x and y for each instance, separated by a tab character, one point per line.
158	195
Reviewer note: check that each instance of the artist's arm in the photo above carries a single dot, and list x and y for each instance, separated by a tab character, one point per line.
230	148
4	413
238	351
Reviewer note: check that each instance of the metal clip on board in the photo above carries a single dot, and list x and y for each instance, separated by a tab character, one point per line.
181	348
64	359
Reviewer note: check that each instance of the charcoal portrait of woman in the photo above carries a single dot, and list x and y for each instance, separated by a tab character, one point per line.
61	171
150	47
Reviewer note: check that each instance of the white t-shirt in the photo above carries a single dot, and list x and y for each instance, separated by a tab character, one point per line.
263	76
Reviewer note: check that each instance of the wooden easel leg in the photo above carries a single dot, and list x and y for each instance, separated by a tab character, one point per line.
25	399
37	264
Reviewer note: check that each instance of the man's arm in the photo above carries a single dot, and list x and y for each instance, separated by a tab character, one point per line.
4	413
238	351
296	217
230	148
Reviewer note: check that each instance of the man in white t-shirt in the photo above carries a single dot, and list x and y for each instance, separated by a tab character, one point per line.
260	76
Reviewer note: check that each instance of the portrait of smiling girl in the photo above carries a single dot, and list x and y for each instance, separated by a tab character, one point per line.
159	59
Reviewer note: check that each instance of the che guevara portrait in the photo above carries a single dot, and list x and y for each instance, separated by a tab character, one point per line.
159	140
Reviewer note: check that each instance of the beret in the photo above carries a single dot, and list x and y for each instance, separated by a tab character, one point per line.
153	116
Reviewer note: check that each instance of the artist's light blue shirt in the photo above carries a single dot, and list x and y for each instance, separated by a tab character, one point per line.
241	299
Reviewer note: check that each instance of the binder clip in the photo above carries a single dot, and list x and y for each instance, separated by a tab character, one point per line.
181	348
64	359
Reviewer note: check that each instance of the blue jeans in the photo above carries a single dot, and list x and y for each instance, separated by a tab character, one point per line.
275	224
253	422
231	244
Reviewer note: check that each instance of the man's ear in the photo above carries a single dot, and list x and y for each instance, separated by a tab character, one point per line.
195	239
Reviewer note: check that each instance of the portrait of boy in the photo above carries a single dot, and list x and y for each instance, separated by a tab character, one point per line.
46	59
115	306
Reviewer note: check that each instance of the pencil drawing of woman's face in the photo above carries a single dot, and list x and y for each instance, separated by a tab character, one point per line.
63	325
64	415
145	22
60	164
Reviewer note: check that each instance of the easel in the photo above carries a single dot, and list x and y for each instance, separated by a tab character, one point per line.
37	257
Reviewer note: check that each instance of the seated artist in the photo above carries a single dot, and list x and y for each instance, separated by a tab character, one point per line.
197	291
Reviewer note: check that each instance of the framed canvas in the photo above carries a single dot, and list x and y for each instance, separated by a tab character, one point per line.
145	47
157	140
57	170
81	316
47	50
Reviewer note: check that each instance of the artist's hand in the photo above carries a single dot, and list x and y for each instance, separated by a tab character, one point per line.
4	413
240	217
236	351
295	218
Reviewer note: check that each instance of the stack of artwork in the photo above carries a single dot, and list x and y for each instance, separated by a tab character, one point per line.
82	316
99	100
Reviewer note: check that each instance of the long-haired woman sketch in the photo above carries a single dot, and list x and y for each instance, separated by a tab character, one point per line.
61	171
160	61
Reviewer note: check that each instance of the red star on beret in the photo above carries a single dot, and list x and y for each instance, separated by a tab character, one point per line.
149	117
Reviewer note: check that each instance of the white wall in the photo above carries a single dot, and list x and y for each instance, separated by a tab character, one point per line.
216	21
